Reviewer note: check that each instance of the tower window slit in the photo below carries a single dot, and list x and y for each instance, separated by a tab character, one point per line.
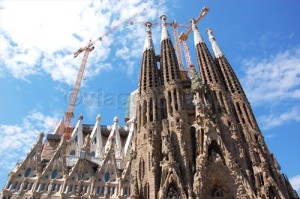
149	160
163	108
175	100
151	109
145	111
170	102
245	109
239	108
156	110
235	114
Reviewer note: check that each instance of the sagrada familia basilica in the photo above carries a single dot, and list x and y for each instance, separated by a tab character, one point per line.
186	136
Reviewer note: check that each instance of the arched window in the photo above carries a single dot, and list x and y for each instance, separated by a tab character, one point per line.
214	152
27	173
93	154
172	193
217	192
53	174
151	109
144	112
194	144
107	176
73	152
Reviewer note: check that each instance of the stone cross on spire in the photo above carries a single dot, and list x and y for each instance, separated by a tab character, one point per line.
164	31
197	36
217	51
148	41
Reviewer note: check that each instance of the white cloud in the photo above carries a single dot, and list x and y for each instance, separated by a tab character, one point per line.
295	182
274	78
271	82
41	36
277	119
17	139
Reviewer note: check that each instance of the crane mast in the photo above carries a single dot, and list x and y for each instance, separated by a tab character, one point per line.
69	114
184	36
177	45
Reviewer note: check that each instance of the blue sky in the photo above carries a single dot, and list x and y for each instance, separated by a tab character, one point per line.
37	70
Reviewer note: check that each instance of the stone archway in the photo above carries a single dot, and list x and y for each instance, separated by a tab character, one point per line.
218	192
173	193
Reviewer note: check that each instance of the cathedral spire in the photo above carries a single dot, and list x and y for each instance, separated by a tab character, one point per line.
149	70
164	31
215	47
148	41
197	36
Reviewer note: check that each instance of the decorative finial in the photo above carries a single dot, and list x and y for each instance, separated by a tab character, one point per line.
215	47
164	31
197	36
80	117
116	119
98	118
148	41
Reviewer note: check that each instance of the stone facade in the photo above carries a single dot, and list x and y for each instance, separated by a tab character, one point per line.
186	136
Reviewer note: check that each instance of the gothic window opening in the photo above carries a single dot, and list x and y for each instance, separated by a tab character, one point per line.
194	144
142	168
98	190
273	193
240	112
25	186
173	193
93	154
149	161
145	111
235	115
175	99
222	101
15	185
53	187
27	173
37	186
150	75
163	108
58	187
262	183
43	187
170	103
53	174
140	115
107	176
125	191
151	110
202	141
102	191
214	152
245	109
9	185
217	192
156	110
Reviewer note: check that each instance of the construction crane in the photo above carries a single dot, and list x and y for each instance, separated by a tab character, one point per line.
177	43
184	36
87	49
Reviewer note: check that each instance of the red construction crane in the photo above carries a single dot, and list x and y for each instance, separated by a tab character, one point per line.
87	49
184	36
